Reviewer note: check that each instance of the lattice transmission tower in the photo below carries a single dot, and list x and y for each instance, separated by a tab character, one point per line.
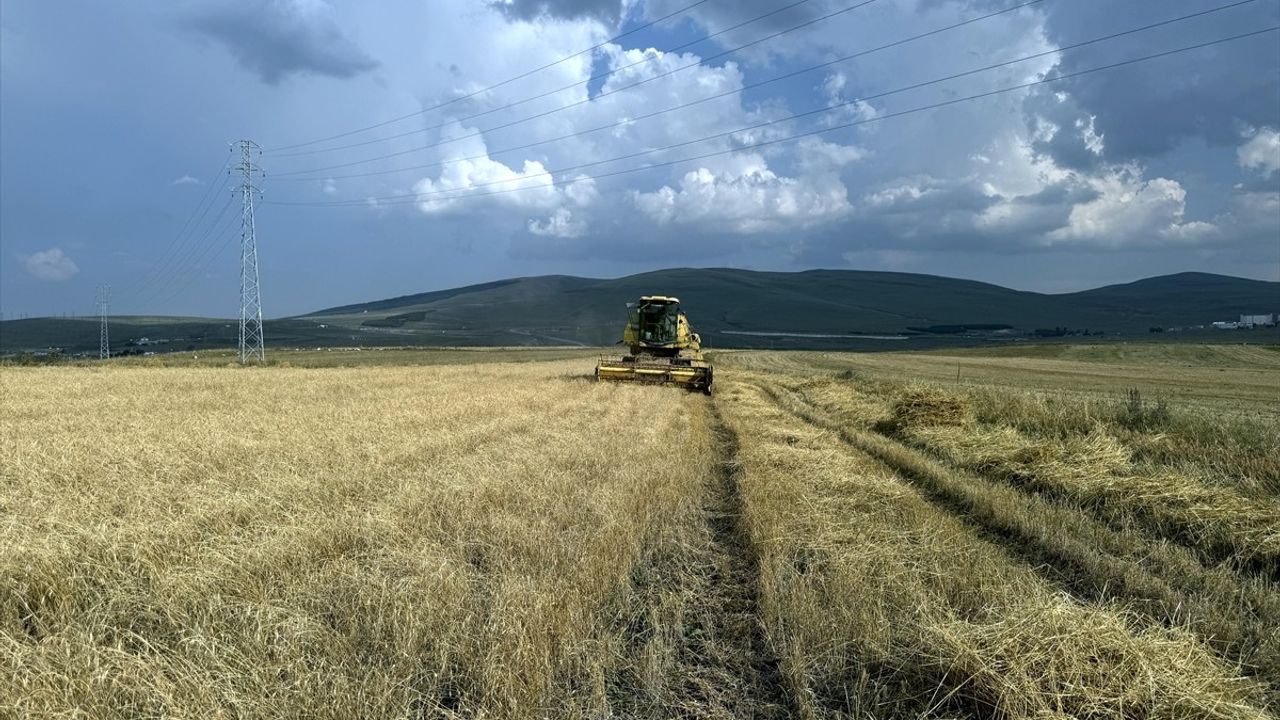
104	334
251	342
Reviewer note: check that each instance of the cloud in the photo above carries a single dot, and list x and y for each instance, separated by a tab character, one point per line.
560	224
744	183
1261	151
1128	211
754	200
850	110
1017	201
279	38
728	19
185	180
1147	110
608	11
51	264
1253	218
480	179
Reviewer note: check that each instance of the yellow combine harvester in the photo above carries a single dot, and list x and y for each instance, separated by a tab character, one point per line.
664	349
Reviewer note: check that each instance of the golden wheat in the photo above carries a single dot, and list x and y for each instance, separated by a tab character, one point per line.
333	543
447	534
883	605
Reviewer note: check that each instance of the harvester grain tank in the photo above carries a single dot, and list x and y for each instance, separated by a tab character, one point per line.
664	349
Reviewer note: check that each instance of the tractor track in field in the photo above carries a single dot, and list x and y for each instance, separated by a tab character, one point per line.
1092	565
733	673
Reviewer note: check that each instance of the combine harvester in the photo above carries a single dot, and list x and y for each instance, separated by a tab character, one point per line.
664	349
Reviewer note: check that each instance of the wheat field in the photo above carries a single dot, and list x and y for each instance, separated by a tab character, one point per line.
829	536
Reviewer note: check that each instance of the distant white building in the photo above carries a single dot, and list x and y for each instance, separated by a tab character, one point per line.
1257	320
1220	325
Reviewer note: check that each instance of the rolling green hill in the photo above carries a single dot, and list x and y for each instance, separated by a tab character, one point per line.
731	308
738	307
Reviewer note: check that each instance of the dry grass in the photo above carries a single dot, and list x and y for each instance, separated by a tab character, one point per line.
1097	557
1220	422
1098	470
883	605
1229	445
925	406
420	539
341	543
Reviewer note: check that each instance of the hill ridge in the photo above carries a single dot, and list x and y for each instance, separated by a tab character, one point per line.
833	308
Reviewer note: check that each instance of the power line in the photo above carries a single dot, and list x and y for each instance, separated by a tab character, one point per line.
494	86
156	271
182	279
409	199
190	251
219	246
853	102
292	176
171	265
577	84
481	133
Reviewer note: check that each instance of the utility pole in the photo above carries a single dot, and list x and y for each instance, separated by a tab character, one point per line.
251	343
104	337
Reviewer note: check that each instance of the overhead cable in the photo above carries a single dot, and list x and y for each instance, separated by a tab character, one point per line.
579	84
295	176
496	85
456	194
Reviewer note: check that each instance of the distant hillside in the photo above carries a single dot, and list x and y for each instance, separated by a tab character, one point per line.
731	308
740	307
1183	299
163	334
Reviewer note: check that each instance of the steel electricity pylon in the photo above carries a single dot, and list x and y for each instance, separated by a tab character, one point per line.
104	335
251	341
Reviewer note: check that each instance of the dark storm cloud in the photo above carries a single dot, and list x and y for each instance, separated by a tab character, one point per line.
1147	110
278	38
1061	194
715	17
718	16
608	11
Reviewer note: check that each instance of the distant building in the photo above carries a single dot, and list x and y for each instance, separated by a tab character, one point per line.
1226	325
1257	320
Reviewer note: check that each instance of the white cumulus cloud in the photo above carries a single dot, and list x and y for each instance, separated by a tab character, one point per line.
52	264
475	175
749	201
1261	151
559	224
1130	210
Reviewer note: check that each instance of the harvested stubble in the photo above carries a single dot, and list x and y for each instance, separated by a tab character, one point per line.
1226	446
1219	423
1236	615
391	542
1096	469
506	541
883	605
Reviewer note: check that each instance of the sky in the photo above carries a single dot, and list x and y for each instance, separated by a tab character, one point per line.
462	141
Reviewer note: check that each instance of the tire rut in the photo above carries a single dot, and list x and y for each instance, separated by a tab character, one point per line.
730	670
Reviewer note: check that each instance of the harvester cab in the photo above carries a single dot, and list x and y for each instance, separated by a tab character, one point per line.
663	348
